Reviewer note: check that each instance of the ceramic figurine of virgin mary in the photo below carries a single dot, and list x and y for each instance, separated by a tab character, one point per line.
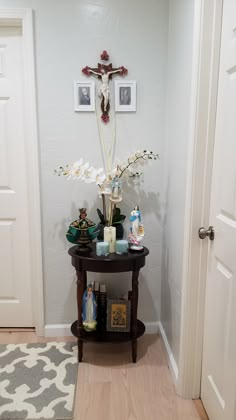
136	230
89	313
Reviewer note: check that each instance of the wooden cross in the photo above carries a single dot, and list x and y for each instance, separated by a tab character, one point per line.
104	72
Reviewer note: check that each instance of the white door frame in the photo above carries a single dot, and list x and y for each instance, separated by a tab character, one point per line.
198	200
24	18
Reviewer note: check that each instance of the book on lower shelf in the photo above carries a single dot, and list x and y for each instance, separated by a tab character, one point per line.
100	292
96	290
102	307
113	314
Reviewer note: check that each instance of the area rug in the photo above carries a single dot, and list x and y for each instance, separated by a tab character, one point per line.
37	381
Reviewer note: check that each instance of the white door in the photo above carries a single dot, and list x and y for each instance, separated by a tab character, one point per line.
15	270
219	351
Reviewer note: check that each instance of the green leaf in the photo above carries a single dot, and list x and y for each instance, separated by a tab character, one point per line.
116	212
116	215
118	219
101	217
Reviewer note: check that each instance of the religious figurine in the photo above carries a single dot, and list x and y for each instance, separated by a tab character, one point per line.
103	90
136	230
116	190
83	222
104	72
89	305
82	231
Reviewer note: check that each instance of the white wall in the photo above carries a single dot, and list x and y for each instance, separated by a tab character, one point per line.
70	34
178	116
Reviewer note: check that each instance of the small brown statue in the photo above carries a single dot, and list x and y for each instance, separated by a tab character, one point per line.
83	222
82	231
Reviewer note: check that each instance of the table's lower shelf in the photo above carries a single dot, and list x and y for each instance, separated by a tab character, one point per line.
108	336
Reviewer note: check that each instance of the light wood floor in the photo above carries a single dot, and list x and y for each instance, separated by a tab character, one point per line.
110	387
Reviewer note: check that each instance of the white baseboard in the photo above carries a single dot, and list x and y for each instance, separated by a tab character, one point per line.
57	330
60	330
152	327
171	360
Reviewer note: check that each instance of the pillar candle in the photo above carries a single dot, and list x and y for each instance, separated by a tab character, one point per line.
121	246
102	248
110	237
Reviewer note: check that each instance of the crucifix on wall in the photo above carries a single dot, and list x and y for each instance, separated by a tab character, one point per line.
104	73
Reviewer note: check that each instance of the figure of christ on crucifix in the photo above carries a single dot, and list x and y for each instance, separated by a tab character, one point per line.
104	72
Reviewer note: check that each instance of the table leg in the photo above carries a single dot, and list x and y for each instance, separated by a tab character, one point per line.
134	350
134	310
81	285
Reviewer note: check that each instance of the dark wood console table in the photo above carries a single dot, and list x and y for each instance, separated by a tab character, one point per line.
112	263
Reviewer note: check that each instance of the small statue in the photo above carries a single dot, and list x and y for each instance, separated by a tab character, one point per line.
116	190
82	231
83	222
136	230
89	313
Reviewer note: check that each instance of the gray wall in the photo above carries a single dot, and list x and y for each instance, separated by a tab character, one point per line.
178	108
70	34
155	44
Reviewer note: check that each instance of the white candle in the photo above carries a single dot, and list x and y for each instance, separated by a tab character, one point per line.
110	237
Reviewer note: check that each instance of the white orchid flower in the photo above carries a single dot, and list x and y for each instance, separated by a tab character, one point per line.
100	179
89	174
75	171
142	161
78	163
132	158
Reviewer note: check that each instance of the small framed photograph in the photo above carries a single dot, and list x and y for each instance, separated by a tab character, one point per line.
84	97
125	96
118	315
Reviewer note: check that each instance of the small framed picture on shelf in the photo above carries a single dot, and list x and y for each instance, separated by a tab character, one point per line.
84	97
125	96
118	315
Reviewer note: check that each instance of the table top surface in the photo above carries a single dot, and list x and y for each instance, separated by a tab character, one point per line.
91	256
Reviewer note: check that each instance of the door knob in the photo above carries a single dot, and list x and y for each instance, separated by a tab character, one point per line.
203	233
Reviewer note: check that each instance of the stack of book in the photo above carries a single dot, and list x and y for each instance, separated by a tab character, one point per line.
102	307
101	297
96	289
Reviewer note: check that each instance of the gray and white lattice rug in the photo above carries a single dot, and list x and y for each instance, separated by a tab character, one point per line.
37	381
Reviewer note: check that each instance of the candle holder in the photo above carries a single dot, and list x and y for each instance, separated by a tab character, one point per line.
121	247
102	248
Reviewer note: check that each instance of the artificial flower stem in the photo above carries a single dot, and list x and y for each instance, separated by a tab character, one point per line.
104	207
137	158
130	163
111	213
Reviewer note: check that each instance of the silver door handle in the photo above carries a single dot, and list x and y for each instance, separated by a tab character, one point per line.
203	233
